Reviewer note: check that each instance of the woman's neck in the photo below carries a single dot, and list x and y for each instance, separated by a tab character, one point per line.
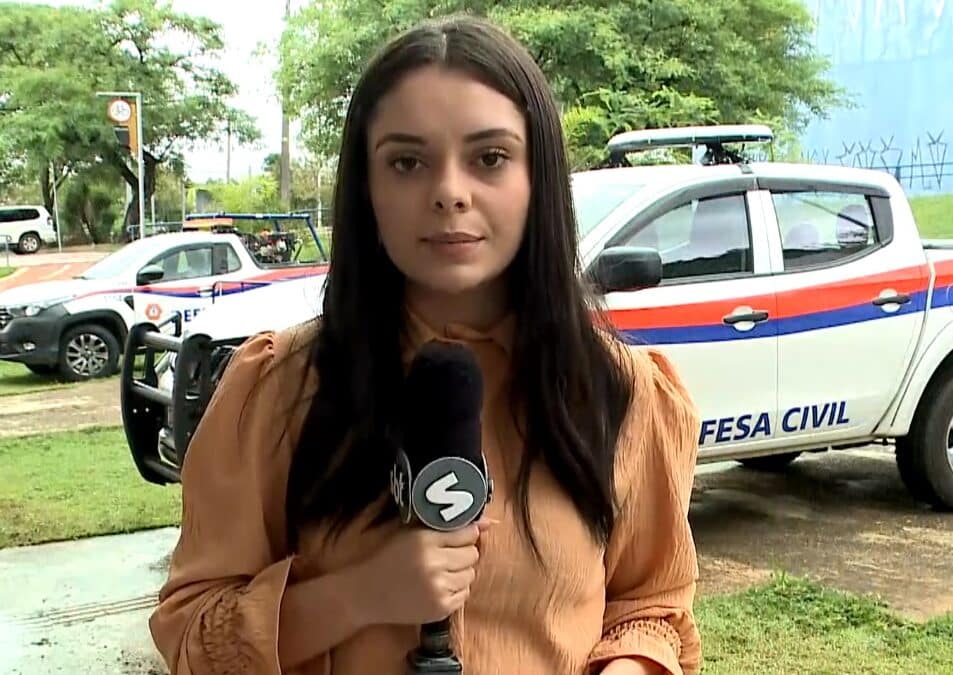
480	308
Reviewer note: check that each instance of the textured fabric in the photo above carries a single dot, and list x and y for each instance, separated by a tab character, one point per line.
219	609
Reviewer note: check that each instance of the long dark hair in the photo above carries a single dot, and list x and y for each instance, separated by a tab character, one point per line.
566	383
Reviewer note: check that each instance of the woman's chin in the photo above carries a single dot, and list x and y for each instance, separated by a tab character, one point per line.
458	283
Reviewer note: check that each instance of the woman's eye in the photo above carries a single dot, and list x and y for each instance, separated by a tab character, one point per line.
493	159
405	164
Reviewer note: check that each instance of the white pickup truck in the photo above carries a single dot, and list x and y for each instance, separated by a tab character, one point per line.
77	328
798	301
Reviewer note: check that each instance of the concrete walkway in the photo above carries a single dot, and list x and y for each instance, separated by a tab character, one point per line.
82	606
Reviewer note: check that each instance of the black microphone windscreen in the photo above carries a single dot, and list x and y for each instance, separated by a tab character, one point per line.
443	399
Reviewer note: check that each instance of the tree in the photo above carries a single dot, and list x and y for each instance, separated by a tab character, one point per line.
54	60
254	194
92	205
614	66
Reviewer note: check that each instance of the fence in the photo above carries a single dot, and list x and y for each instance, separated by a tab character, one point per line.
922	165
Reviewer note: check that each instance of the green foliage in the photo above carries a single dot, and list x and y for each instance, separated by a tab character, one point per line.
253	194
91	204
614	66
54	60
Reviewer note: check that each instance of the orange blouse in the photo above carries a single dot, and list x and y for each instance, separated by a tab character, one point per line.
219	609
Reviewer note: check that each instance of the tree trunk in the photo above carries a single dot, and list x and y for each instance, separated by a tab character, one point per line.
88	217
46	189
149	186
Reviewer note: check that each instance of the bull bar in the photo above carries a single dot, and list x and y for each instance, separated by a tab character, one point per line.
159	425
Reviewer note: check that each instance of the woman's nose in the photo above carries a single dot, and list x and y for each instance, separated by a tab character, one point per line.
451	194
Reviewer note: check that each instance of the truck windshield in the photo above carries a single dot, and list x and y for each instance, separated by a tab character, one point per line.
119	263
594	200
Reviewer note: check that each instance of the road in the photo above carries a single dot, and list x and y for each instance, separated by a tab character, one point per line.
47	266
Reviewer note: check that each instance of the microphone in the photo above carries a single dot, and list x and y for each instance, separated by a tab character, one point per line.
440	478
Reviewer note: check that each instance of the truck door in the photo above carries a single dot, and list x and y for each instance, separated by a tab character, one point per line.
713	314
851	298
183	280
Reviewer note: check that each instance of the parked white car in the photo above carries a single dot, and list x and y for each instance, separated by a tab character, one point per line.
798	301
25	229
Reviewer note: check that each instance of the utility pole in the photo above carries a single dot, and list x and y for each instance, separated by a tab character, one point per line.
228	151
130	117
285	167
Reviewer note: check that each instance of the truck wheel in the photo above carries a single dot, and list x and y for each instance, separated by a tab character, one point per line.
88	351
29	243
770	462
925	455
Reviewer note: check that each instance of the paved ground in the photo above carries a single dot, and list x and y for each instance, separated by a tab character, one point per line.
47	266
81	607
76	254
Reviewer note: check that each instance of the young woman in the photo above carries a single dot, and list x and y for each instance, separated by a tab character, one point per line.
453	221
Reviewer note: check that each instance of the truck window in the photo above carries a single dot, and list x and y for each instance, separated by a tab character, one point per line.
186	263
224	259
16	215
823	228
703	237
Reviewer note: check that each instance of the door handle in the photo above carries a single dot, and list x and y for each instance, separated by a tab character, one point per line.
206	291
896	299
755	316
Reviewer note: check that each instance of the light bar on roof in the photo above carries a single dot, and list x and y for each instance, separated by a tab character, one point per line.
680	137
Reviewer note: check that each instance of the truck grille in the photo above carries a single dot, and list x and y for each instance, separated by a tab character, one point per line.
5	317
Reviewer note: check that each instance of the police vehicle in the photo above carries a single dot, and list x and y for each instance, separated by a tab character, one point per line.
77	328
798	301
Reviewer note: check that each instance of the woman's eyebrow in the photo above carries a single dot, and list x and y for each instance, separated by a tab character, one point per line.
482	135
492	133
397	137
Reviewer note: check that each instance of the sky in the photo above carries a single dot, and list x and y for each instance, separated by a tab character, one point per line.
242	31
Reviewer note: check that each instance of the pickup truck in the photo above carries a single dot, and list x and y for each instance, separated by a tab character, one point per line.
77	328
798	301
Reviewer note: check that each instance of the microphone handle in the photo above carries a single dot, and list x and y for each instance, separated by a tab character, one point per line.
434	656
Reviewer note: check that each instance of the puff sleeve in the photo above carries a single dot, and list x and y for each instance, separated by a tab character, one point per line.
651	564
219	609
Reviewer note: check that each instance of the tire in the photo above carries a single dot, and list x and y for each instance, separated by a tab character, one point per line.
42	368
29	243
770	462
88	351
925	455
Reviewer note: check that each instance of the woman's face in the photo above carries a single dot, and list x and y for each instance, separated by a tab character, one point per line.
449	180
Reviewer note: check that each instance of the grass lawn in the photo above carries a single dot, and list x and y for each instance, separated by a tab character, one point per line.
16	379
934	216
794	626
76	484
6	271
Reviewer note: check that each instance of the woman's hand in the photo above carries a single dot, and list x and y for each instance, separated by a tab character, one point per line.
633	666
419	575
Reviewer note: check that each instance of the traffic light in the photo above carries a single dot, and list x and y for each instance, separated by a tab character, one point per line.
124	115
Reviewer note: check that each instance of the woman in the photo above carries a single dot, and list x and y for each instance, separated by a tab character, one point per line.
452	221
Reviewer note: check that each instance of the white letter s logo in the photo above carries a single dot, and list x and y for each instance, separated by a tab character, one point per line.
456	501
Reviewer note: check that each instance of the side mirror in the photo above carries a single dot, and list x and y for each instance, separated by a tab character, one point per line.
625	268
149	275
